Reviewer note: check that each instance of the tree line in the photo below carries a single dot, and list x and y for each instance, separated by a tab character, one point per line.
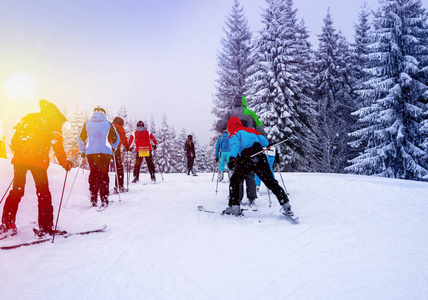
356	107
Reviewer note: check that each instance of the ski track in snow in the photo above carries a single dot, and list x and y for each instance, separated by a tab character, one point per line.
359	237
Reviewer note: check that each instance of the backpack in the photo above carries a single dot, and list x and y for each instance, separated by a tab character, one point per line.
31	134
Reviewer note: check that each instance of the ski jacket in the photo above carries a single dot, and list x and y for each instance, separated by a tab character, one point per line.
122	134
222	144
242	137
41	134
142	138
189	148
98	136
247	116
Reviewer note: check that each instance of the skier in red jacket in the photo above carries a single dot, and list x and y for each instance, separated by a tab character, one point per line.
118	125
143	140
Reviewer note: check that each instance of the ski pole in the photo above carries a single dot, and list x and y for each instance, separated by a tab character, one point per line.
216	188
282	179
72	185
214	171
117	176
128	167
217	168
6	191
59	208
270	200
261	151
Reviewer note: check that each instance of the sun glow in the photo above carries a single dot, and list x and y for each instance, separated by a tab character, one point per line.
20	87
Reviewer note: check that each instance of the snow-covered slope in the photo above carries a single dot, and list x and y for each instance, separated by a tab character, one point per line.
359	238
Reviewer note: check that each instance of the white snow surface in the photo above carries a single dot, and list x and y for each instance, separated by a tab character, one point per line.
359	237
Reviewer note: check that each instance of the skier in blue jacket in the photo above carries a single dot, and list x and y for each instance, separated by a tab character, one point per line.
244	144
222	153
97	141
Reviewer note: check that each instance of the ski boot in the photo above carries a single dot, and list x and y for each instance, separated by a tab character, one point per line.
286	208
7	230
48	231
233	210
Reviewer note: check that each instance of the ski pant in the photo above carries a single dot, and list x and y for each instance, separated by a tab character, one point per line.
259	164
44	197
150	165
271	160
190	161
251	186
224	158
98	176
119	168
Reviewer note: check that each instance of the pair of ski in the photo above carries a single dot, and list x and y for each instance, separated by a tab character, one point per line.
49	238
293	219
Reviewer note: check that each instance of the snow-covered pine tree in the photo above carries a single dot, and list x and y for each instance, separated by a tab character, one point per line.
281	86
164	152
360	62
181	159
202	161
205	159
176	153
127	157
234	61
391	125
334	95
360	51
72	131
123	113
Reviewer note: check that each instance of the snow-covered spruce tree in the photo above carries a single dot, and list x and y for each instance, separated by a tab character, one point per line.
281	85
165	139
234	61
205	159
391	125
176	164
181	159
359	63
127	157
204	156
335	102
360	51
128	126
71	132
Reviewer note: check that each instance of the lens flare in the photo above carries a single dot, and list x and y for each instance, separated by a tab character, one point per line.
20	87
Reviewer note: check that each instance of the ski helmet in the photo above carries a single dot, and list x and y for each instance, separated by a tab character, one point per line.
99	109
119	121
140	124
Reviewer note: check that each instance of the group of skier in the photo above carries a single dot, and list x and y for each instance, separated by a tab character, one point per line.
241	147
246	157
99	141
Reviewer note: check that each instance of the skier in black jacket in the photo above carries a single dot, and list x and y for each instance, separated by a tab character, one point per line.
189	148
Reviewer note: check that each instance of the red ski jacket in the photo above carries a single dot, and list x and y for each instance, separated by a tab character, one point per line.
142	139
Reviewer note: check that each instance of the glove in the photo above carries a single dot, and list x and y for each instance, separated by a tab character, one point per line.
217	160
154	147
232	163
276	157
67	165
82	154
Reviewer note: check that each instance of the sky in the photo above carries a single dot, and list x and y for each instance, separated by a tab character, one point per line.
157	57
